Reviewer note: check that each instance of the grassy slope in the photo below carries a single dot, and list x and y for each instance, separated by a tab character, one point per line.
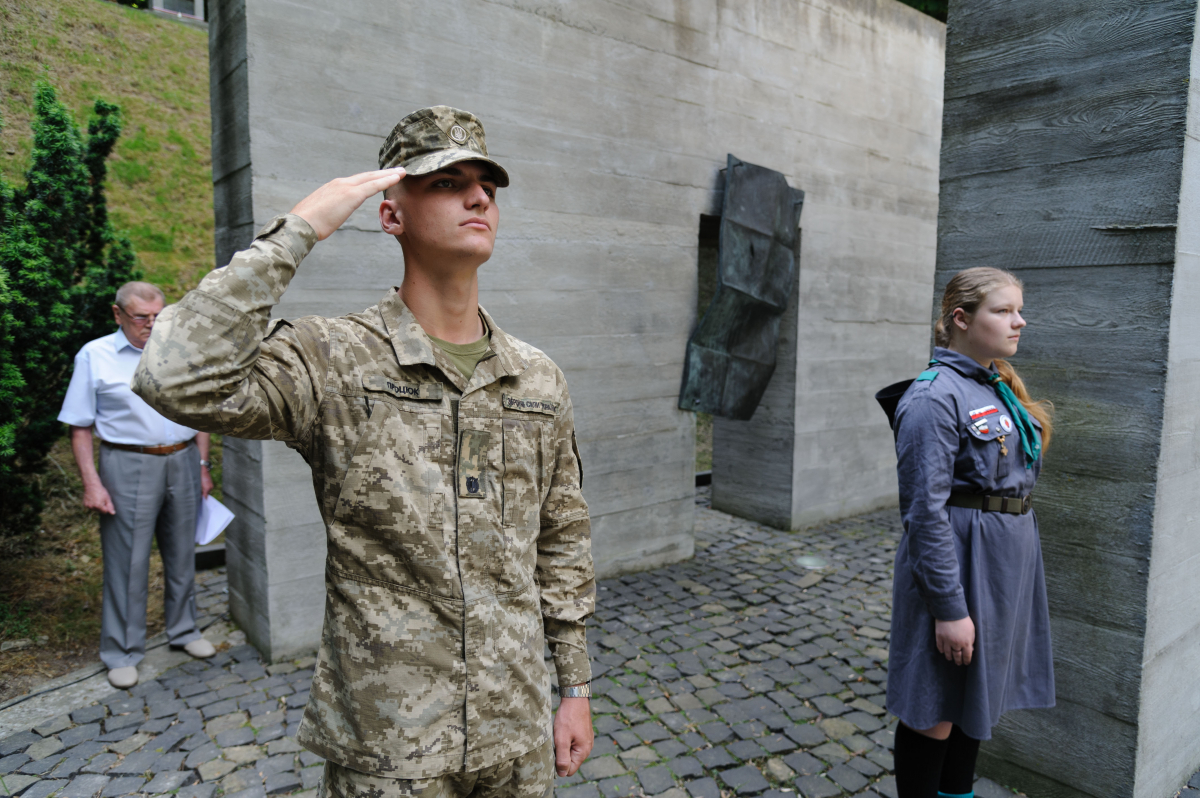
160	176
160	193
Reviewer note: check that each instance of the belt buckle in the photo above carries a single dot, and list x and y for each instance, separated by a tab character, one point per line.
1026	503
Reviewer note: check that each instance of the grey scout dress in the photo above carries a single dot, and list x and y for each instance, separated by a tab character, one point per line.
954	561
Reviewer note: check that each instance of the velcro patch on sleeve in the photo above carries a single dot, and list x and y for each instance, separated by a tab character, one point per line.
525	405
404	390
926	376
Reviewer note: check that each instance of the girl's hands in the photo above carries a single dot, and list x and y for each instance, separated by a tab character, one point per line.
956	639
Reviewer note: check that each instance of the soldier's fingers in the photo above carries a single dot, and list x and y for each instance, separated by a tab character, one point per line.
562	756
367	177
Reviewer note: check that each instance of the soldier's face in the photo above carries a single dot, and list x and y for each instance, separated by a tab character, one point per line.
450	214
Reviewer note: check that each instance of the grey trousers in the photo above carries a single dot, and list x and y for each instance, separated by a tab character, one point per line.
155	496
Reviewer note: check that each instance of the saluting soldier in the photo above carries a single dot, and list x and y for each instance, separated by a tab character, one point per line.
444	460
970	622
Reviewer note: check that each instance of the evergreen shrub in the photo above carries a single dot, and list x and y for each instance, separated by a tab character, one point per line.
61	263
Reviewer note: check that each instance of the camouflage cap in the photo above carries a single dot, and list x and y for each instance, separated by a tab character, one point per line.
433	138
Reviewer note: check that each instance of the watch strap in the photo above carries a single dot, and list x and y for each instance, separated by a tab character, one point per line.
577	691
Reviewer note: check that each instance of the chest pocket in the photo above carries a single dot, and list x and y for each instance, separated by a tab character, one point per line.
994	438
528	424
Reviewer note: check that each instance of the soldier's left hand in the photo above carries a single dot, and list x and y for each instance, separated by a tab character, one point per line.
573	736
327	208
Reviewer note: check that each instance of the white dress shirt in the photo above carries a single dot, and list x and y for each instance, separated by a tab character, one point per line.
99	394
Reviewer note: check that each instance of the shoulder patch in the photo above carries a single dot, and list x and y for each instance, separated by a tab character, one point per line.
926	376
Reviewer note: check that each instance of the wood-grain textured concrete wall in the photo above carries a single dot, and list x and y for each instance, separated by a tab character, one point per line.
1062	157
613	119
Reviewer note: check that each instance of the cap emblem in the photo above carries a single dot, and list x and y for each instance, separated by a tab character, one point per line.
459	134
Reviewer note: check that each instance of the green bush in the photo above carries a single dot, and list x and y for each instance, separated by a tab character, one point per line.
61	263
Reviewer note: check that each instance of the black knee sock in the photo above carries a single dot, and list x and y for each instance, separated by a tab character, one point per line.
918	762
958	771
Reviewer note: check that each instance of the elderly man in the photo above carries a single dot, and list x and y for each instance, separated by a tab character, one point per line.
153	475
444	460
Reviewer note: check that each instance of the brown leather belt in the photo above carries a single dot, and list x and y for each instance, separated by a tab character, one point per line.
129	447
1017	505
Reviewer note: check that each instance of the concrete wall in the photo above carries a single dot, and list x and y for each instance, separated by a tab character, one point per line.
613	120
867	129
1063	158
1168	751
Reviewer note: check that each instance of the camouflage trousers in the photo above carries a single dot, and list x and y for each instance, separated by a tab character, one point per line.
530	775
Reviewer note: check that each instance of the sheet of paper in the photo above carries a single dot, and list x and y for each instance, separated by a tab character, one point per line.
211	521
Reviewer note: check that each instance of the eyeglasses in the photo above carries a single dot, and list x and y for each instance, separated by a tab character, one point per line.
140	321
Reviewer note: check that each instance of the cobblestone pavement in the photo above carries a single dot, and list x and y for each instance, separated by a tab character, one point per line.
740	672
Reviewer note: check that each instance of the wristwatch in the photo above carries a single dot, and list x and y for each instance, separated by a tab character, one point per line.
576	691
206	464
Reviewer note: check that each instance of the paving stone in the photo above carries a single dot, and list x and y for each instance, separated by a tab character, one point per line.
285	781
602	768
847	778
253	792
53	725
15	783
777	770
744	780
44	788
986	788
44	748
168	708
816	787
224	723
836	728
100	763
620	787
578	791
270	733
310	776
11	762
68	768
655	780
703	788
215	769
42	766
887	787
86	786
713	758
205	753
685	766
746	749
275	764
235	737
124	785
197	791
308	759
90	714
243	754
242	779
134	764
804	764
129	744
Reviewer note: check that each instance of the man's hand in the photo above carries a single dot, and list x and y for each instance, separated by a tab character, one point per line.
573	736
327	208
956	639
206	483
95	497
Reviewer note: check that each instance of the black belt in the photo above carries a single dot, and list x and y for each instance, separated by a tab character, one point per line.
1017	505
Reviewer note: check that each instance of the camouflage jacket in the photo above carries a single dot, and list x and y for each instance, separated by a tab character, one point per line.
458	538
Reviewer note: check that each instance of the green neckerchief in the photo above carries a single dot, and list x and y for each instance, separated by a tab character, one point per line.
1031	444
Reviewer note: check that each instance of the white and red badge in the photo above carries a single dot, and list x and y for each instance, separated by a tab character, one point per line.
1006	423
986	410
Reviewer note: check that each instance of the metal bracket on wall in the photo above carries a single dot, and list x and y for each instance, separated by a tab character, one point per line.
731	354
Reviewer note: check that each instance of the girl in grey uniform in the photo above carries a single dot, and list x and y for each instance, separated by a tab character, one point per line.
970	626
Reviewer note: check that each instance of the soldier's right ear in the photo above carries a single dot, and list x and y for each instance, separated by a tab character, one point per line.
391	217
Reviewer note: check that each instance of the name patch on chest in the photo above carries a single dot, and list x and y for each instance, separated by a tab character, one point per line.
511	402
429	391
